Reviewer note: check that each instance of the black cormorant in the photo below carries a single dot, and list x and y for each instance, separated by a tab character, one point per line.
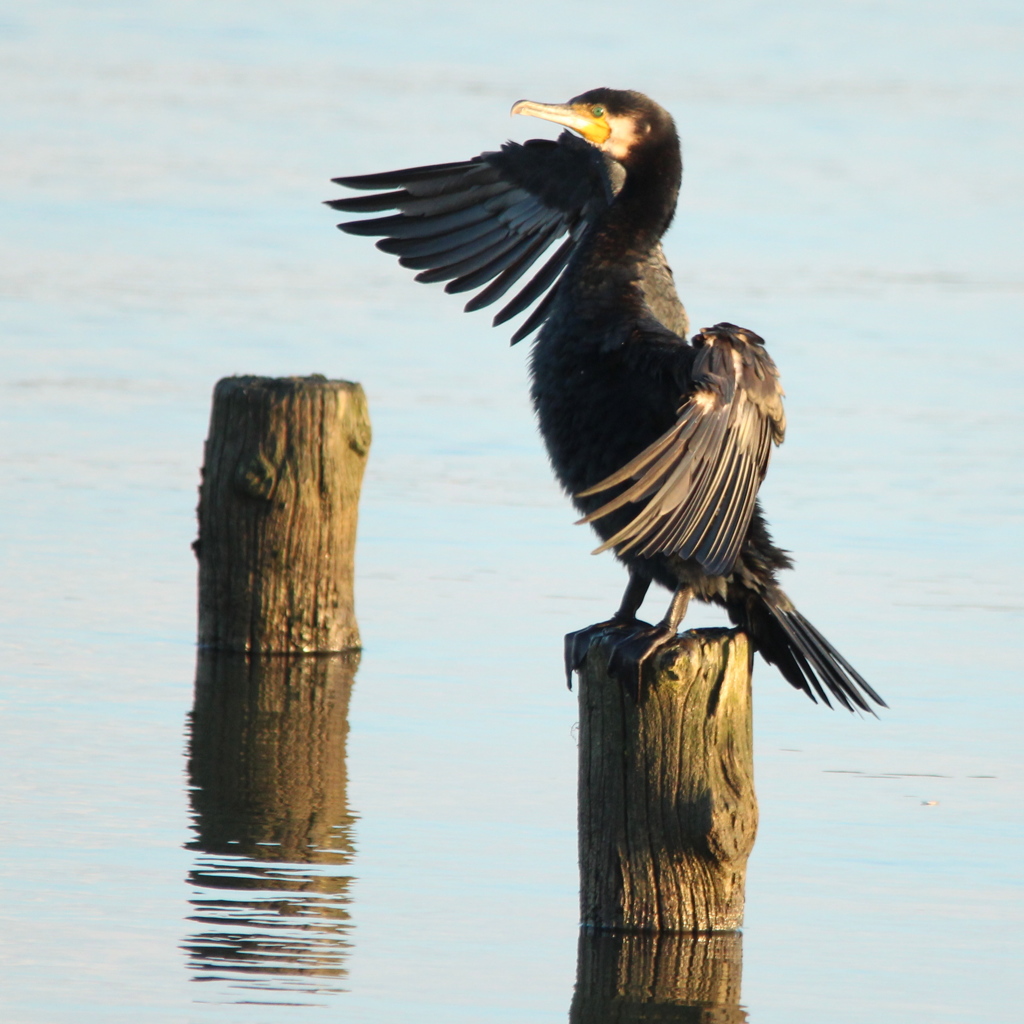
661	443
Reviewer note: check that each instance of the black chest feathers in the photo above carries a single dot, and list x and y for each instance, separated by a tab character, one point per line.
598	404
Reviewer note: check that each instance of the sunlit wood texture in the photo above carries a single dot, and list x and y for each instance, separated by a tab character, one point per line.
277	514
624	977
667	812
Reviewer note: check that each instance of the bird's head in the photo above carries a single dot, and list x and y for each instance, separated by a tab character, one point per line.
617	121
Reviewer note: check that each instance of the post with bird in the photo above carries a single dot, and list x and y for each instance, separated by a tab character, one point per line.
661	440
278	506
666	805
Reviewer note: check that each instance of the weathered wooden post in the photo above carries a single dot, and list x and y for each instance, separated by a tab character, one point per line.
667	812
278	507
277	515
627	977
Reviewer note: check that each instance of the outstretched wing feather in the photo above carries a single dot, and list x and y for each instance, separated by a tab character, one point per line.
473	278
517	265
406	176
440	246
459	267
541	280
535	319
488	261
486	222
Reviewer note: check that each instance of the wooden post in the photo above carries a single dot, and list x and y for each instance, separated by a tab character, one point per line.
277	514
667	812
670	978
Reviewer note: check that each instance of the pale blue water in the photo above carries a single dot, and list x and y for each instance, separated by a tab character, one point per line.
853	192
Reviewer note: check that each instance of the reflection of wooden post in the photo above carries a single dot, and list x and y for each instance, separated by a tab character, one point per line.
667	813
267	758
273	829
674	979
277	514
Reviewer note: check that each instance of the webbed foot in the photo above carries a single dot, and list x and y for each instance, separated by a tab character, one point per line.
631	651
631	644
577	644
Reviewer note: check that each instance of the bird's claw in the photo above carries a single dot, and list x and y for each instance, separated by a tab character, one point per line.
632	643
630	653
578	644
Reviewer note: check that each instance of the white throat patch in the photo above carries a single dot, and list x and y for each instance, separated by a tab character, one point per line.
623	137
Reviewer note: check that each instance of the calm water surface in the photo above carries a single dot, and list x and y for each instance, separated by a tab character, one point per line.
395	841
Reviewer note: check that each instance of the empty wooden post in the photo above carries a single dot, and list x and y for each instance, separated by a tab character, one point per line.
277	515
669	978
667	812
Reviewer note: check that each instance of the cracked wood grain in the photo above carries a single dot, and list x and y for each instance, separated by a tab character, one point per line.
278	506
667	811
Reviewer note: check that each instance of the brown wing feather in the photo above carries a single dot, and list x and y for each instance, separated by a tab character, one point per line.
700	478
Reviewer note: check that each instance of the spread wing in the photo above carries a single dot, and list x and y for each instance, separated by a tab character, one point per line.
700	478
487	221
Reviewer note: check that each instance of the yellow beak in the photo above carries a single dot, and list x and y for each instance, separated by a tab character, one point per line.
575	116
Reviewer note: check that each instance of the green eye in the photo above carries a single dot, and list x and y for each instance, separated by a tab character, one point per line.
597	111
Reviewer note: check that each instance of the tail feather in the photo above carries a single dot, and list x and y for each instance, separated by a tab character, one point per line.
840	661
808	661
797	668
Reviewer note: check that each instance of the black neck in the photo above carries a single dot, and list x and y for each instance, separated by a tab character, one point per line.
644	208
633	225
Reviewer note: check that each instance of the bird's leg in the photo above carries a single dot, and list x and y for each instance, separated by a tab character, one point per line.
577	644
677	609
632	598
629	654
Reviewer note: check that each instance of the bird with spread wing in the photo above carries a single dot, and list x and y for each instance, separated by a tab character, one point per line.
661	442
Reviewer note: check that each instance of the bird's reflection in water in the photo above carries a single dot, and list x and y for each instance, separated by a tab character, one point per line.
273	829
670	978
